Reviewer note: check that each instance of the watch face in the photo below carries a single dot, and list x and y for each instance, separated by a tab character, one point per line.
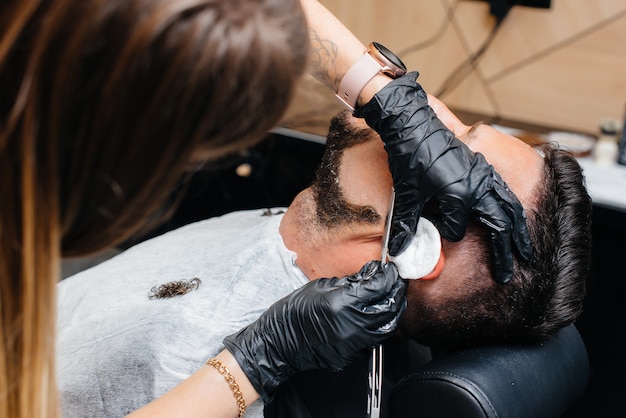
393	58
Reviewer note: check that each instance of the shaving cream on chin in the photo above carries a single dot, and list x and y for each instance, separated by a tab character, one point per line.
422	254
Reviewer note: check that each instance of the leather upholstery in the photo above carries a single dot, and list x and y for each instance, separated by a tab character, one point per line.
497	381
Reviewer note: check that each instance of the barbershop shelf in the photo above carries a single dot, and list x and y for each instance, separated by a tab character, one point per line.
606	184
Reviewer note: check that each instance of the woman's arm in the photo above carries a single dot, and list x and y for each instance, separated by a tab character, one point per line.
334	49
205	393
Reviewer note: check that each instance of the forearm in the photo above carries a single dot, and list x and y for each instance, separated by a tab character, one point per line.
334	49
204	394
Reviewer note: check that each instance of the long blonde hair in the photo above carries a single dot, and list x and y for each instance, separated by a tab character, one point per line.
103	102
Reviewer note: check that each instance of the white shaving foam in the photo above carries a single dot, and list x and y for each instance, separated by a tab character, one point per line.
422	254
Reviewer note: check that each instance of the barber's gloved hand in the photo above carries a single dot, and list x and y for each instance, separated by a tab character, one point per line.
325	324
428	162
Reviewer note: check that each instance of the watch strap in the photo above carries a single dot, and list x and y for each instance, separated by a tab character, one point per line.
356	78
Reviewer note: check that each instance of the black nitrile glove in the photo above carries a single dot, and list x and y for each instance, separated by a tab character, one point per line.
428	162
325	324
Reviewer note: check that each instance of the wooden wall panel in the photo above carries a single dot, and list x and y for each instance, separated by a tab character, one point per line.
528	33
566	91
563	67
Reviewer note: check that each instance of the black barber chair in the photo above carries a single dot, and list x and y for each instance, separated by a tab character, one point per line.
502	381
497	381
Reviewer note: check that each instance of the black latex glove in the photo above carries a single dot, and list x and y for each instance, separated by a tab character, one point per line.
325	324
428	162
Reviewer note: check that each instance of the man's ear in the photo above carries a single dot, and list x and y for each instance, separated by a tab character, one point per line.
447	117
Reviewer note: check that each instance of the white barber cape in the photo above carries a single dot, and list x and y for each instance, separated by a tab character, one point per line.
118	349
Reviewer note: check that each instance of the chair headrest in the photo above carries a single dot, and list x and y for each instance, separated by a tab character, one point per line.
497	381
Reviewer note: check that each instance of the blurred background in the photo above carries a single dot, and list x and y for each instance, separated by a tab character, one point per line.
559	64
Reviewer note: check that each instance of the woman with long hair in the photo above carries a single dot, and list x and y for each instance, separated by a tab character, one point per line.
102	104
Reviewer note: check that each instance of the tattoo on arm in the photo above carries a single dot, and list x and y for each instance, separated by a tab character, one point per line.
323	59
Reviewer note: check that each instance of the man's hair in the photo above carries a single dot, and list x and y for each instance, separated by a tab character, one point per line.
551	286
545	294
103	103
